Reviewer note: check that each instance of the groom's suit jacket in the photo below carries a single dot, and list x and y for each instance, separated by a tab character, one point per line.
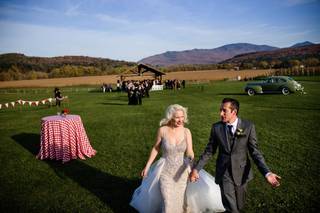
233	152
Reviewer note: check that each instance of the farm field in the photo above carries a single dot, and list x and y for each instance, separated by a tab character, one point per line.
287	130
112	79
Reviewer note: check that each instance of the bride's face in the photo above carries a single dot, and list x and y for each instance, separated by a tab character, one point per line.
178	118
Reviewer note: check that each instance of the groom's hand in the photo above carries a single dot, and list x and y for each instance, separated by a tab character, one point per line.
194	175
273	179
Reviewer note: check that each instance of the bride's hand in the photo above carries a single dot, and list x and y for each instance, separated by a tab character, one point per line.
144	172
194	176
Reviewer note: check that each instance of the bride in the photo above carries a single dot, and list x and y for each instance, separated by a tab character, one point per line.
165	186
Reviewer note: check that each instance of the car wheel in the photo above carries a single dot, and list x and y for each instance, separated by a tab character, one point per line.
285	91
251	92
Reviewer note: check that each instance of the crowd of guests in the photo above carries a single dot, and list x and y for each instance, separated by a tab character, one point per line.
175	84
106	88
137	90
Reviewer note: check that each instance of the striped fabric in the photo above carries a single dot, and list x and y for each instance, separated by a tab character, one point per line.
64	138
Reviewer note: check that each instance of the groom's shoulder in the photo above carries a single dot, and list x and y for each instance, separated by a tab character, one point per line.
245	122
217	124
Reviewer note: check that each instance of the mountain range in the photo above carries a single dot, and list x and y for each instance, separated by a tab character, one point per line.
16	66
210	56
297	51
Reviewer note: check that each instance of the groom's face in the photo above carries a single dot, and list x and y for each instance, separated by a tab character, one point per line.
227	115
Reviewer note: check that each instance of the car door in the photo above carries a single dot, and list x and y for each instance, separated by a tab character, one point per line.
279	84
267	86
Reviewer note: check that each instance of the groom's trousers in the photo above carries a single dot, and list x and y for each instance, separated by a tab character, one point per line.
233	196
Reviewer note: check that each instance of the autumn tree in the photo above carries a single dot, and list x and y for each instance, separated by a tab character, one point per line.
311	62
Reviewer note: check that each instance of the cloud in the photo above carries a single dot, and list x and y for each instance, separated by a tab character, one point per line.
110	19
49	41
14	9
73	10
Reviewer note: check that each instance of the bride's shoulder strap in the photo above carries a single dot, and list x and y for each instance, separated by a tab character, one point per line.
163	130
185	133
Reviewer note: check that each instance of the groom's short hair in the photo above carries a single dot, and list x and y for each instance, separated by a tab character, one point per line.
234	104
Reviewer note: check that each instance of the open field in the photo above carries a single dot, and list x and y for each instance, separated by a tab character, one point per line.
287	129
112	79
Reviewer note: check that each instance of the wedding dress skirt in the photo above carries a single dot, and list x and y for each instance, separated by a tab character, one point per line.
201	196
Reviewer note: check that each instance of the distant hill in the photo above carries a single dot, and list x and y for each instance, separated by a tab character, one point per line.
16	66
204	56
47	63
284	54
302	44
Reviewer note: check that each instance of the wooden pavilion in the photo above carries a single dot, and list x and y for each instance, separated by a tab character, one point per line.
141	69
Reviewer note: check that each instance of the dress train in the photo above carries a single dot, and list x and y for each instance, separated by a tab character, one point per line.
201	196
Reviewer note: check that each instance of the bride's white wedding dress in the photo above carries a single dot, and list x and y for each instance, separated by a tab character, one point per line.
167	189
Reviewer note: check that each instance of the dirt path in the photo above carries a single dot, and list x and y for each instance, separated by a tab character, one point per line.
206	75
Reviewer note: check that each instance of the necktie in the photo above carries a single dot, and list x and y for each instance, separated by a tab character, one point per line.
230	129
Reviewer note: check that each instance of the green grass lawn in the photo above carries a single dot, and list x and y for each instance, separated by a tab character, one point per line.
287	128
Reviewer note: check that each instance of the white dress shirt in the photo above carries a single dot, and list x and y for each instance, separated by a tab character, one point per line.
234	125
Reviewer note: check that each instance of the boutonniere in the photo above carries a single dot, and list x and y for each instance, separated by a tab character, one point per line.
240	132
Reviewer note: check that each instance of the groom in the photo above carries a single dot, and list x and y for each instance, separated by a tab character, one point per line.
234	138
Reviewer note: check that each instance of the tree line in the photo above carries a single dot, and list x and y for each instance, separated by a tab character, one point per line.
247	64
19	66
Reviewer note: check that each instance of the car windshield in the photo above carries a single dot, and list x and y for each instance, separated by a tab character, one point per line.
270	80
291	79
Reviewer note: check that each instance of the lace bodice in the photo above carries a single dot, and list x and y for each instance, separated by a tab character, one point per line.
174	176
173	154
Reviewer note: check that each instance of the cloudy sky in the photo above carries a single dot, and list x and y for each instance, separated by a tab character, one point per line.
133	29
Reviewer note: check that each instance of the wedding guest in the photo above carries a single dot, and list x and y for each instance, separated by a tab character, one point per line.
58	96
103	87
235	139
139	92
118	86
183	84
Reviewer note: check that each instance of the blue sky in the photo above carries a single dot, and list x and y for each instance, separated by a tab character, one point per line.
133	29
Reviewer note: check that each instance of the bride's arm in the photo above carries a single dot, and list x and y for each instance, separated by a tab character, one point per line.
153	154
189	151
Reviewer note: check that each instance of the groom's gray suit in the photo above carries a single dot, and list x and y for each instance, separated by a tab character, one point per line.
233	169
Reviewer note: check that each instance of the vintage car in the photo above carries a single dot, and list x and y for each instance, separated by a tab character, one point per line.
274	84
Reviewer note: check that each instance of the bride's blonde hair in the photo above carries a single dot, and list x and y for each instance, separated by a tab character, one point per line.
170	113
